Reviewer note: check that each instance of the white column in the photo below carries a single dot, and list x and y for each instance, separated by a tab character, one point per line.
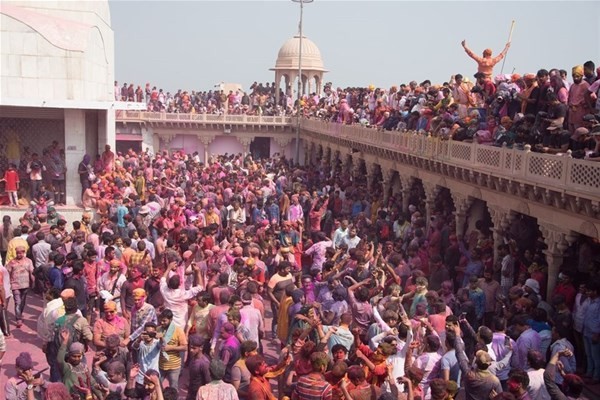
148	140
277	84
74	152
106	130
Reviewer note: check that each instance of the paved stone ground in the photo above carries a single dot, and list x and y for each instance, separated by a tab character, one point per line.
26	339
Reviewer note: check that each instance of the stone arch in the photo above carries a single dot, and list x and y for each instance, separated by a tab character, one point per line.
375	179
478	211
359	170
286	86
416	193
348	164
320	152
588	229
318	83
444	201
396	184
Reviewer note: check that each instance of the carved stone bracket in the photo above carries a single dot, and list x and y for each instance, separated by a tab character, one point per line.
500	217
283	141
555	238
245	142
206	140
431	191
167	138
462	203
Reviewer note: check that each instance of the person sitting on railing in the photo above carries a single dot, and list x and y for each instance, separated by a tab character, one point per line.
582	143
595	155
505	132
558	143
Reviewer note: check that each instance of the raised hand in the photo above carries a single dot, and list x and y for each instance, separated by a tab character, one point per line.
134	371
64	335
27	376
565	353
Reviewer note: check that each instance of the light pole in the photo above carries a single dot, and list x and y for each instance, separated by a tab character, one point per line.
297	157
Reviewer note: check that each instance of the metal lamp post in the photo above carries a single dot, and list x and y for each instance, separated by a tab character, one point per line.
297	157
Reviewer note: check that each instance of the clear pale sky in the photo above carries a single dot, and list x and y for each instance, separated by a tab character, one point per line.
195	44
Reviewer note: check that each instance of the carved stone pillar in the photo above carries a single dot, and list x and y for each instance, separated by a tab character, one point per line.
431	192
206	141
556	240
388	175
500	219
371	168
333	161
407	182
327	155
245	142
462	203
306	154
356	167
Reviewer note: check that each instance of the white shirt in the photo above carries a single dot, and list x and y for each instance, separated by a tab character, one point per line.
537	389
351	242
338	236
176	301
397	362
6	280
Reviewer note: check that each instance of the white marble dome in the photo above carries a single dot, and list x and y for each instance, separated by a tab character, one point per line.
287	58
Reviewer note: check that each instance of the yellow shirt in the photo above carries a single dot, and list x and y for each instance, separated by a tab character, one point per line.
15	242
174	361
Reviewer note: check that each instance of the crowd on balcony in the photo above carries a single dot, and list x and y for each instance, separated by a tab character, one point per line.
191	271
259	101
545	110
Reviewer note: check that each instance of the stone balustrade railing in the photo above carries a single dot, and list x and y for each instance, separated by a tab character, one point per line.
558	173
546	171
147	116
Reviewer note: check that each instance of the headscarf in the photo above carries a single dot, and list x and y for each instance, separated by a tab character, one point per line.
139	293
577	70
24	361
76	348
110	306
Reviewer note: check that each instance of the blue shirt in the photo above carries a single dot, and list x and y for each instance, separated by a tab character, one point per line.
478	298
591	320
121	212
148	355
450	362
56	278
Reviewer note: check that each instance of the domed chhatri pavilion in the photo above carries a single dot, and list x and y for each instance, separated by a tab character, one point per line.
286	66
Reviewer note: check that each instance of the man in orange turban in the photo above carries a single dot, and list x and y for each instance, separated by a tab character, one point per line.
141	313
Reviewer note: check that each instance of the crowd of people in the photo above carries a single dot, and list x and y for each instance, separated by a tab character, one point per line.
546	110
259	279
261	100
186	268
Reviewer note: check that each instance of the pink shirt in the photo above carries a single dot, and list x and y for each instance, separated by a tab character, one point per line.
317	251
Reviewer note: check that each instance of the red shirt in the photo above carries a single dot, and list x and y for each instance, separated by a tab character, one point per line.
90	272
260	389
12	179
568	291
